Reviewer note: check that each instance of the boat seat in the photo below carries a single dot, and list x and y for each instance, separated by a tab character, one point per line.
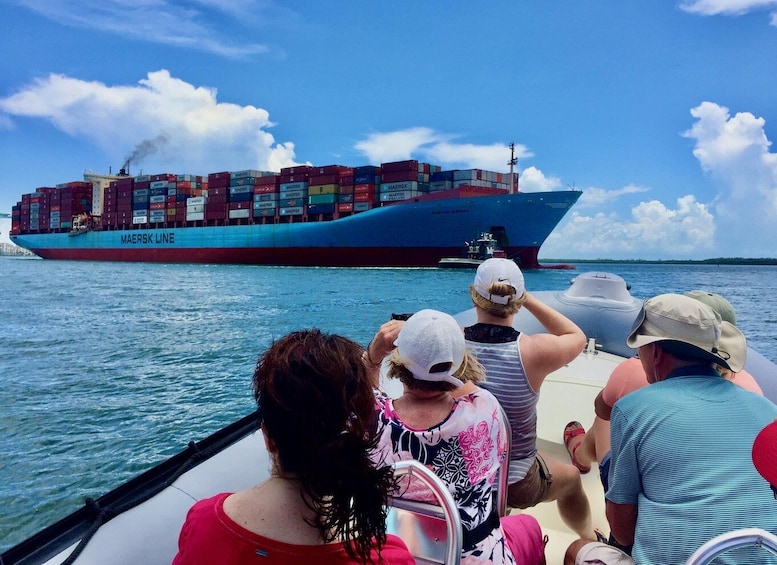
747	537
432	533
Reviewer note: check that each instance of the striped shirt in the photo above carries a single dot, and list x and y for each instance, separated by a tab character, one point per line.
681	452
498	350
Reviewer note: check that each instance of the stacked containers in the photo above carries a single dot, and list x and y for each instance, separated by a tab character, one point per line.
24	213
117	203
75	198
195	209
366	182
157	200
441	180
34	214
481	178
324	189
185	186
215	206
266	197
293	191
241	192
140	203
16	218
344	200
403	180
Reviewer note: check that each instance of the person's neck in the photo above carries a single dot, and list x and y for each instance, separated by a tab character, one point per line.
428	396
486	318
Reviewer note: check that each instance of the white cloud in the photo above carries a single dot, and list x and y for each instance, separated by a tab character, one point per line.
653	232
734	152
179	23
194	132
534	180
428	145
594	197
730	7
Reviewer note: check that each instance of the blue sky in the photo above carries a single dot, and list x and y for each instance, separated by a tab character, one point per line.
661	112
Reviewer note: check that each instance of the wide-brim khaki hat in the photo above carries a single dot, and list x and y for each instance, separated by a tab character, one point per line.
674	317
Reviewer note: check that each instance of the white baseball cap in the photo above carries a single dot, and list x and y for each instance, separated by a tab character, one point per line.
428	338
498	270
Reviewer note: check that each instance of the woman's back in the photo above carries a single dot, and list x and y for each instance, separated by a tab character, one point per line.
465	450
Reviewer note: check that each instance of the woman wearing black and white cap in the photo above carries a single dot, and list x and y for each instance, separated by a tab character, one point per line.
455	429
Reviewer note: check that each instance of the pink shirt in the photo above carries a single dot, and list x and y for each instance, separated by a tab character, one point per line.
629	376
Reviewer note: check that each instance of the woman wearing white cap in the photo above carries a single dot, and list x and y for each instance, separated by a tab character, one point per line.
460	436
516	366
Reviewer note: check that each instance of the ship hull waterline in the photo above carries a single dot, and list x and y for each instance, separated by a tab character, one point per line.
408	234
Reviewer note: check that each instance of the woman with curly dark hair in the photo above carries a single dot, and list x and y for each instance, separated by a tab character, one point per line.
325	501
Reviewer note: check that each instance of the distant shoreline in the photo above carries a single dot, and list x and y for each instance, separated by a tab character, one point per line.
713	261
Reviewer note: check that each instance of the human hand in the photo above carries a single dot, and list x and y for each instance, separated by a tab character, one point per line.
383	342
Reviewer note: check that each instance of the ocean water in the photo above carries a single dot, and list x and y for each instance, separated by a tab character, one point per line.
108	368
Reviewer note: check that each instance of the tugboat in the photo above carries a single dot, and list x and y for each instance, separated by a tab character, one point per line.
81	224
476	251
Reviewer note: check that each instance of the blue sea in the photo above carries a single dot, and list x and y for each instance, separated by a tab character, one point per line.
108	368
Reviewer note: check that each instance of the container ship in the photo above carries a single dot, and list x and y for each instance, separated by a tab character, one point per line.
398	214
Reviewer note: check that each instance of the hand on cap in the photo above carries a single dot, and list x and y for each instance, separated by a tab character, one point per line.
383	342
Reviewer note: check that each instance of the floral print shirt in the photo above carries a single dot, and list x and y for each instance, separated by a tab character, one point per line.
465	450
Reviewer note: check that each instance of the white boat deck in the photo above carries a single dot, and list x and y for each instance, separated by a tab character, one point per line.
568	394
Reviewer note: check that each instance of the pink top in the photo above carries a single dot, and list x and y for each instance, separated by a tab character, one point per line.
629	375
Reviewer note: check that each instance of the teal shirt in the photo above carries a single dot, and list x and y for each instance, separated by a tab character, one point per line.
681	452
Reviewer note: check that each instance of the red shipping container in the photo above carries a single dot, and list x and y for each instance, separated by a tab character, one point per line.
399	176
220	182
399	166
299	169
363	197
324	179
157	206
220	214
297	177
270	180
364	188
164	176
265	189
327	170
345	207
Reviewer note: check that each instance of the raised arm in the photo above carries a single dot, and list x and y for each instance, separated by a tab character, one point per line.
544	353
381	345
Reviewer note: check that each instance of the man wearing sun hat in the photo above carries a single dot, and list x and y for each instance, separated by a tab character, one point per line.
681	470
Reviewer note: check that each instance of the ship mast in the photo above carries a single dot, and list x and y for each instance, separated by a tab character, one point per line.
513	161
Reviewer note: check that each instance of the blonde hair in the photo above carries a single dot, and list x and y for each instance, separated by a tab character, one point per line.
498	289
470	371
